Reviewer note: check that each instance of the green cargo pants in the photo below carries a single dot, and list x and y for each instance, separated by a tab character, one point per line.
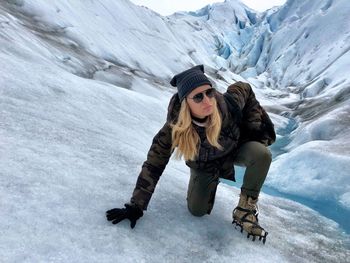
255	156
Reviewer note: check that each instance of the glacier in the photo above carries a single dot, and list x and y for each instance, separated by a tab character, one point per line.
84	88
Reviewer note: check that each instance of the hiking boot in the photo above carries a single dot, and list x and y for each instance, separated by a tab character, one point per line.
245	215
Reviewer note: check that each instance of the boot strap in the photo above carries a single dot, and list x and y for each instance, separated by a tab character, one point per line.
253	212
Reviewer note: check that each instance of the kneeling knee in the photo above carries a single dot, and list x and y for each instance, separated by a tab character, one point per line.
197	211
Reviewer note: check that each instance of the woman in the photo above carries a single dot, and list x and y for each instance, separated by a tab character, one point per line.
212	132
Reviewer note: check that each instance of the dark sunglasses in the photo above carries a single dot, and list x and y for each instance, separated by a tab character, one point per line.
199	97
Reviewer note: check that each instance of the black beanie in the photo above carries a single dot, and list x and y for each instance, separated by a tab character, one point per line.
188	80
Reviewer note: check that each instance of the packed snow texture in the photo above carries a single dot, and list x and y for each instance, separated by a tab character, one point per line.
84	88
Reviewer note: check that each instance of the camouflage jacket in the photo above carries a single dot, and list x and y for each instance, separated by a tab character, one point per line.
243	119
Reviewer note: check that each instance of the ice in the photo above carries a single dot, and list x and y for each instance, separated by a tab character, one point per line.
310	176
84	88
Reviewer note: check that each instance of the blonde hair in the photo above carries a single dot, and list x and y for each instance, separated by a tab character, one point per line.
185	137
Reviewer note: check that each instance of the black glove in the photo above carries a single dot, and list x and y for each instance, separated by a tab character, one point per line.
130	212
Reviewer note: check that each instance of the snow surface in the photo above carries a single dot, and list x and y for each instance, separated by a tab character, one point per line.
84	88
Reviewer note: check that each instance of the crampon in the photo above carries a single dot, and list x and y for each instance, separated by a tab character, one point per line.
262	236
245	216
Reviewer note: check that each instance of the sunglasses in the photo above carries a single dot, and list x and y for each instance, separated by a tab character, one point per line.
199	97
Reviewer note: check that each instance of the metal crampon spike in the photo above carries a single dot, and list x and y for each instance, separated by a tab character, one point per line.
254	237
237	224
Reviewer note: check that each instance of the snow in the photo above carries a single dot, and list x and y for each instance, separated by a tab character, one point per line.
306	53
308	179
84	88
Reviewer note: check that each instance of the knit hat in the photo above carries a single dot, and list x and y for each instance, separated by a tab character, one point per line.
188	80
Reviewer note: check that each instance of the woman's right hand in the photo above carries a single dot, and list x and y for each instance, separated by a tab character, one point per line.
131	212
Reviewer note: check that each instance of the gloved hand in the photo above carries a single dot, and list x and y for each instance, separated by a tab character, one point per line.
133	213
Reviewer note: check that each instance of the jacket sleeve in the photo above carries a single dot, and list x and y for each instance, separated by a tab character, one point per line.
157	158
256	124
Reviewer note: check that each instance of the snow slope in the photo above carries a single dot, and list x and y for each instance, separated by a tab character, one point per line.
309	55
80	81
298	55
